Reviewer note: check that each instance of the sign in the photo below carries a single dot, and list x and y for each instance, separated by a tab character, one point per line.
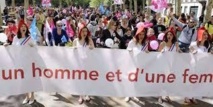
104	72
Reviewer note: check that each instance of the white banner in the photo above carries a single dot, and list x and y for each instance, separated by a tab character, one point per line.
104	72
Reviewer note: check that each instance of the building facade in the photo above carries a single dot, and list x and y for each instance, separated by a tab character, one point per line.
188	6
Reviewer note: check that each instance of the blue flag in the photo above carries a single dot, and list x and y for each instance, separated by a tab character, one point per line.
102	10
63	39
33	29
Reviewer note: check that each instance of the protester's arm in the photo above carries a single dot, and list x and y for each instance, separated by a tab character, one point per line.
91	43
193	47
178	22
206	26
130	45
74	42
162	45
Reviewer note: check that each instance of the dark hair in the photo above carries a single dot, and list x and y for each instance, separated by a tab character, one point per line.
10	20
174	39
87	37
19	33
144	39
207	42
92	17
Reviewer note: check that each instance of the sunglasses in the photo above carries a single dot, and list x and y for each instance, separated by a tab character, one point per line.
191	22
59	25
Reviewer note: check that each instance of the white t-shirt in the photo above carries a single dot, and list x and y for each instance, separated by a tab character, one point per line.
171	49
133	46
199	49
23	41
78	44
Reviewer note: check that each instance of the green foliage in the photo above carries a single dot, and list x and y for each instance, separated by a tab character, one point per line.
66	3
96	3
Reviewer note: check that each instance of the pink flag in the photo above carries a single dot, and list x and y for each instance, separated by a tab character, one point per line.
69	30
158	5
30	11
46	3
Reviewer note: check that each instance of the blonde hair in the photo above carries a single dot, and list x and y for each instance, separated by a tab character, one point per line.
110	24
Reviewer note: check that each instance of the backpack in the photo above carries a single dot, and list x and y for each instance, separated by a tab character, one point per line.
193	31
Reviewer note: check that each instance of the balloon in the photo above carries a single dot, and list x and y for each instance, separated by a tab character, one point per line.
139	24
3	37
154	44
161	36
109	42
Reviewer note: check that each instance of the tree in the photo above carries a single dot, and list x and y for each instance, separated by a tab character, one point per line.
208	10
96	3
178	7
135	6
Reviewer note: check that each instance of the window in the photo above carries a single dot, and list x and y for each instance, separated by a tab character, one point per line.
194	9
185	9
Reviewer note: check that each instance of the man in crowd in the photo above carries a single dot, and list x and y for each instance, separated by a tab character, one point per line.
188	34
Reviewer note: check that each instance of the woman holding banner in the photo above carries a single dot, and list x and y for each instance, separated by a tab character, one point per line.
23	38
168	45
84	40
138	43
202	45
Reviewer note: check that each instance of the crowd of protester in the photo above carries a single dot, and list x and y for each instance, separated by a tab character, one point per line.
90	28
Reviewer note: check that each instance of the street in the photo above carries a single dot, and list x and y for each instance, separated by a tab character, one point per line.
66	100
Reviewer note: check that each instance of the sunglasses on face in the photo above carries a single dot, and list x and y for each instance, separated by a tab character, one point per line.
191	22
59	25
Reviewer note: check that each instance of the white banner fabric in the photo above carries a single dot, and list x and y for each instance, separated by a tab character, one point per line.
104	72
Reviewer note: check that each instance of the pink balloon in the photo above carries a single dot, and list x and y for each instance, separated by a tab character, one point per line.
161	36
154	44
